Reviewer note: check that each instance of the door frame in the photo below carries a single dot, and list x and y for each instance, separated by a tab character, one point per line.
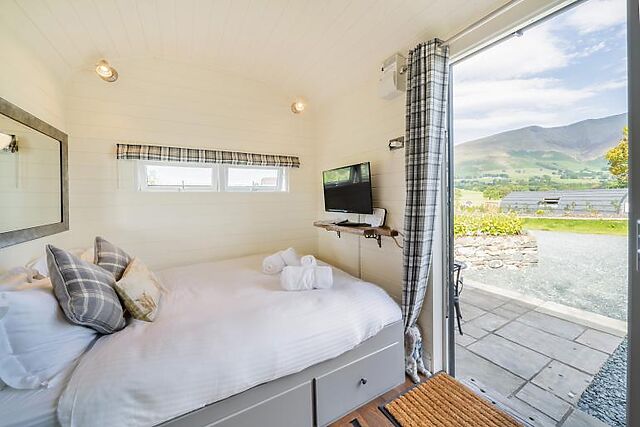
633	38
633	67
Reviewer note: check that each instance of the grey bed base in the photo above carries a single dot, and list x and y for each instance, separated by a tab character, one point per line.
315	396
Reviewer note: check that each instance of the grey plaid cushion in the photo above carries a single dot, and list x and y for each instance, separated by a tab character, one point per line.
85	292
111	258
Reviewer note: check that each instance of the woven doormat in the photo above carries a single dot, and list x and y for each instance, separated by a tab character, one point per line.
441	401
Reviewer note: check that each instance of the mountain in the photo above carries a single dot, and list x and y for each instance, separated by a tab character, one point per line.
536	150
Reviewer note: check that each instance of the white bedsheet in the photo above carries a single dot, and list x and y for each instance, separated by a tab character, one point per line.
33	408
223	328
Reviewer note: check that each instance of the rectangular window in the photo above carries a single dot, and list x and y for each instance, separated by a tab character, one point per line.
161	176
164	176
254	178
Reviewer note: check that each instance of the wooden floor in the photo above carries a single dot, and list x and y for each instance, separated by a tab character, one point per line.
370	415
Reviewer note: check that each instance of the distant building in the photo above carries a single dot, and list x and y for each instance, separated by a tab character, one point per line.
607	202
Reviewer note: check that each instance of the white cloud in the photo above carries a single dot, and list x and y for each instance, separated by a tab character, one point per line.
508	86
610	85
590	50
486	108
596	15
537	51
497	94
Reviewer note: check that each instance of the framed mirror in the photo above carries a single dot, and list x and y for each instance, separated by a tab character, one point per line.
34	182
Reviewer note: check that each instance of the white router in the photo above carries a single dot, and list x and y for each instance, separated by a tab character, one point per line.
377	218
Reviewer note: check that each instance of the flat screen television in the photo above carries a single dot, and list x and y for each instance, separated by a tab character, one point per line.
348	189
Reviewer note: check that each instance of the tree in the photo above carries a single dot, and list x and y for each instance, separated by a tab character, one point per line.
618	158
497	192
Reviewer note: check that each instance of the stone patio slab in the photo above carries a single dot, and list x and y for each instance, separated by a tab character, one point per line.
562	380
580	419
569	352
473	331
519	306
515	358
546	402
470	312
600	340
532	415
488	322
506	313
473	368
548	332
481	299
464	340
553	325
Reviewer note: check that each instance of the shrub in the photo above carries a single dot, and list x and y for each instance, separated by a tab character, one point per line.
491	224
540	212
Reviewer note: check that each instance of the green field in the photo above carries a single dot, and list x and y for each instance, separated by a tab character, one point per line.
475	198
616	227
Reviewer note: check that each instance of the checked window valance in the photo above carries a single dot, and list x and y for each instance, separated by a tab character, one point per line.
160	153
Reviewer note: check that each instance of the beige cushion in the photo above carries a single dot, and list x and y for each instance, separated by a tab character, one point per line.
140	291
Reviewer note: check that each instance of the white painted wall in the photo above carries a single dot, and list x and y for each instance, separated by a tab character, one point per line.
171	103
356	128
26	81
177	104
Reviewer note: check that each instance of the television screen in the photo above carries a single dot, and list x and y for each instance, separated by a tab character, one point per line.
348	189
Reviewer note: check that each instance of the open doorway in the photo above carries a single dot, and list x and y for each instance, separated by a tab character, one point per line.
540	224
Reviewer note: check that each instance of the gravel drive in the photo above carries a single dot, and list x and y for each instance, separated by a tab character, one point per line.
606	397
586	271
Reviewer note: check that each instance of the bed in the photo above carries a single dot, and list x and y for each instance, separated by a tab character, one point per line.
230	348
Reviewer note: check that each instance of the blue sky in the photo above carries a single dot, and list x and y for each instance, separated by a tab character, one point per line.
569	68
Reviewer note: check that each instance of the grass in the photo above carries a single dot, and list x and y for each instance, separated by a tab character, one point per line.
475	197
617	227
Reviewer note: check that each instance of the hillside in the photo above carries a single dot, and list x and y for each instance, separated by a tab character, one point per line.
574	151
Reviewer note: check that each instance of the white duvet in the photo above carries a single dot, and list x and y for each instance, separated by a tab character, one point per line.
222	328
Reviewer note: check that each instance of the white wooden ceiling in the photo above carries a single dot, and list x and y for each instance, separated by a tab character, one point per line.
312	48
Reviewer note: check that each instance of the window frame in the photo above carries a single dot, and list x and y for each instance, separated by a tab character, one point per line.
219	178
282	180
144	186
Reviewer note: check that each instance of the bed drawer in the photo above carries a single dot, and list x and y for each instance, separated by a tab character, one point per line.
292	408
348	387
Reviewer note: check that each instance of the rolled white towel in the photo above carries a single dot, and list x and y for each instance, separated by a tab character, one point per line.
308	261
306	278
273	264
290	257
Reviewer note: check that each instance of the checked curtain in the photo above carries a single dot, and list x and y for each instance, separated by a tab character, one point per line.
426	124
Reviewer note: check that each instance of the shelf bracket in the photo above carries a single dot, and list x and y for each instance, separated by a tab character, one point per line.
373	235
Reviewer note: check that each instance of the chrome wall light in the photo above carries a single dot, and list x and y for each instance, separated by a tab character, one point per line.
8	143
298	107
106	72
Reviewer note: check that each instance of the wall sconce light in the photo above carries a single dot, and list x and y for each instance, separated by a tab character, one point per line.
396	143
106	72
297	107
8	143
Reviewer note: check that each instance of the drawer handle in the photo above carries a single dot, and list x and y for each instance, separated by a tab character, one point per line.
363	381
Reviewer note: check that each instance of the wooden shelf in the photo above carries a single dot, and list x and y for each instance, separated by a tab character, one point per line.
367	232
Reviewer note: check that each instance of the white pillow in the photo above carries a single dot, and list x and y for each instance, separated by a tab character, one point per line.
15	277
36	340
40	264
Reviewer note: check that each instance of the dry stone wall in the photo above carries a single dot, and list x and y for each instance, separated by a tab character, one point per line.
510	252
